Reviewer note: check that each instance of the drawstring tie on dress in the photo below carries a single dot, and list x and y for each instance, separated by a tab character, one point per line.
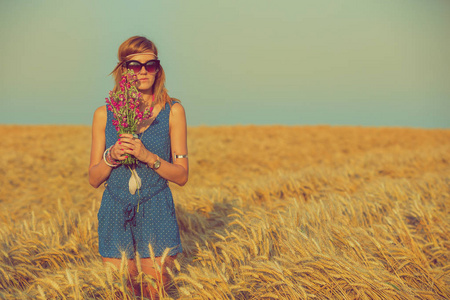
129	215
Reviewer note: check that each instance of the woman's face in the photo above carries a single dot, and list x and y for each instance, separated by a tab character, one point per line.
145	79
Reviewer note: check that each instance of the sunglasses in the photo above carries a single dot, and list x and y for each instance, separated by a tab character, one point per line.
152	66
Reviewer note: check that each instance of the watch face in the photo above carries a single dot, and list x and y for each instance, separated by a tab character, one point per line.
156	164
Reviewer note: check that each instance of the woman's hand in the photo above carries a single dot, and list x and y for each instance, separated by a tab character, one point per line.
118	151
133	146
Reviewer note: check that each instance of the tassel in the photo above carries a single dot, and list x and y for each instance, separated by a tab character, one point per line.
135	182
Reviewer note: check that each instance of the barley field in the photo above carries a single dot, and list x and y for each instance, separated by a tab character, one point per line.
269	212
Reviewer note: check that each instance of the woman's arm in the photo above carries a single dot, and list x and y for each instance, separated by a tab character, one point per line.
178	171
99	171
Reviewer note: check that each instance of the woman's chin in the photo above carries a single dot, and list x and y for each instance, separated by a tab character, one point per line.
144	87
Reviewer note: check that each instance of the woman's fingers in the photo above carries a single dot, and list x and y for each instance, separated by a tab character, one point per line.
118	152
126	144
130	145
125	140
126	135
135	148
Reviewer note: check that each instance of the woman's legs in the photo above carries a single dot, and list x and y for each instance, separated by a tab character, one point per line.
160	274
148	266
132	270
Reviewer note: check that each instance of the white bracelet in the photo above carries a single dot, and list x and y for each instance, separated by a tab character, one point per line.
104	158
181	156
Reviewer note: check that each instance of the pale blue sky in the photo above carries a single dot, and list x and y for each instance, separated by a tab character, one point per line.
348	62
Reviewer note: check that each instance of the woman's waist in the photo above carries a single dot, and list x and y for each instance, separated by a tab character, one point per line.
146	186
143	194
121	177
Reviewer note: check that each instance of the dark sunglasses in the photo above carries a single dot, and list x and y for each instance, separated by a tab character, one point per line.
152	66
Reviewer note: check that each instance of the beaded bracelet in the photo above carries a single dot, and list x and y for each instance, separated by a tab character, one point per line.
110	159
107	155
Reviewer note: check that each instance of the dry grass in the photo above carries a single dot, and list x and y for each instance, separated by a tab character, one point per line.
268	213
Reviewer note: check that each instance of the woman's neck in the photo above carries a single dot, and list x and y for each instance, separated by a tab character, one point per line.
146	99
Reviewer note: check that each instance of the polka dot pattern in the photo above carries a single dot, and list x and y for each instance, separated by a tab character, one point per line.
123	225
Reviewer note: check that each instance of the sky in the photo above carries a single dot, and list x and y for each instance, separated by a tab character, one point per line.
297	62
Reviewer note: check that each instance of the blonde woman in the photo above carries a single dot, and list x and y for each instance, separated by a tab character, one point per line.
145	221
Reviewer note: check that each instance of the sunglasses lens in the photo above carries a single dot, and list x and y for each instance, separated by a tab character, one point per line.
152	66
134	66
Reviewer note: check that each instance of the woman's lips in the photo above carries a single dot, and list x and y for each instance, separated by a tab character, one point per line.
143	79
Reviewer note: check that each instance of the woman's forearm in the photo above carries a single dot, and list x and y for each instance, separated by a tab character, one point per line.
99	173
172	172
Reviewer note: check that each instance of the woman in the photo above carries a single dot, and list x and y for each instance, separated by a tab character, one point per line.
143	222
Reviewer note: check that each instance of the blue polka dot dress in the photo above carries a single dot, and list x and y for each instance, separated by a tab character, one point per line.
122	224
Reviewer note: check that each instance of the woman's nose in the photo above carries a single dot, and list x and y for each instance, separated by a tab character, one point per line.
143	71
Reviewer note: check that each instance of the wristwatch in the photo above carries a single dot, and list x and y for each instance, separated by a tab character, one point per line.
157	163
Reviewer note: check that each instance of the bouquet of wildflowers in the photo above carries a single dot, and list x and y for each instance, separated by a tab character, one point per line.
125	106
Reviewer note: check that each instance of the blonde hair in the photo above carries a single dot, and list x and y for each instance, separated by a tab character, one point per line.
135	45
